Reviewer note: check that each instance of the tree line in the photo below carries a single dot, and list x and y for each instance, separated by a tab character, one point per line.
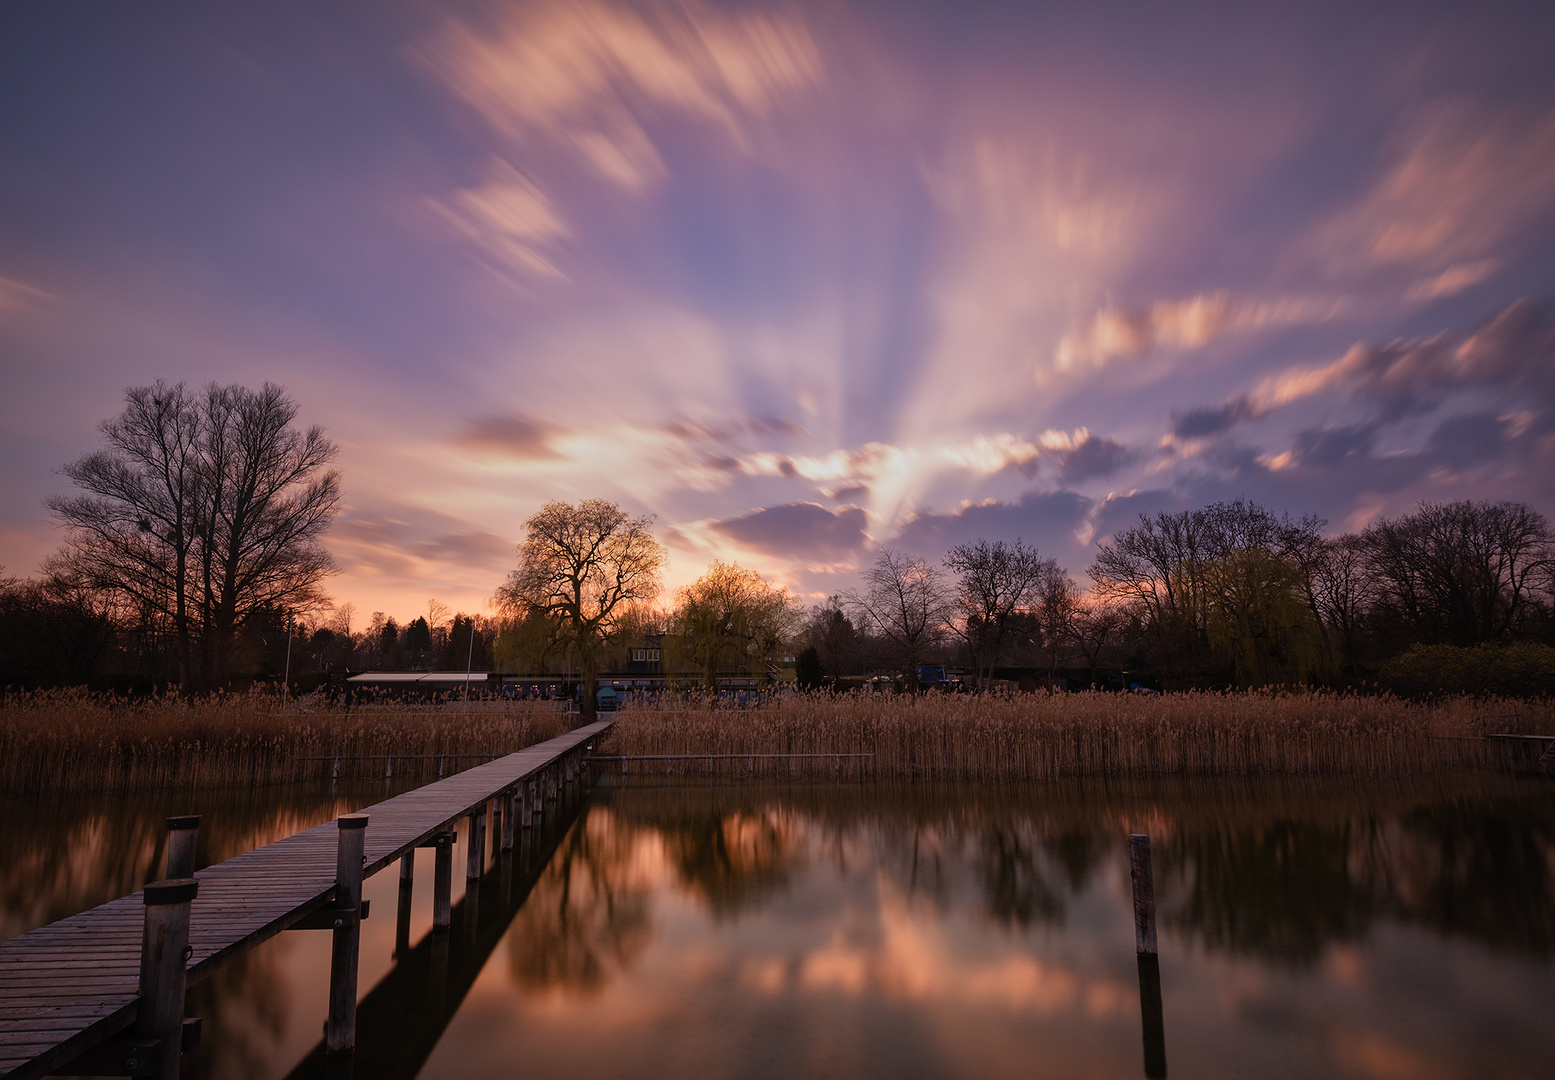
193	553
1227	594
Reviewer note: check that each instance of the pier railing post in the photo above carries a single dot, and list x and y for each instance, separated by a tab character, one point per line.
340	1028
508	823
164	956
528	791
181	835
443	882
475	852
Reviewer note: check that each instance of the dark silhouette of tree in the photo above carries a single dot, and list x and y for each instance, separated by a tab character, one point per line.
1459	573
904	600
837	644
203	508
995	580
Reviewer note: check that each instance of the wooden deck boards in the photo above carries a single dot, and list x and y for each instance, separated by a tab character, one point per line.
66	986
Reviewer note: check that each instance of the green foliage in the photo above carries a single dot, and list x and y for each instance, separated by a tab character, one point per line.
1519	670
730	618
1257	617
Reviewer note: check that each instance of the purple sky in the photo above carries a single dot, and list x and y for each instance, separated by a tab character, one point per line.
799	279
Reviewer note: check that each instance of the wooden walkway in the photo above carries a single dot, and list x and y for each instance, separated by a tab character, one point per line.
68	986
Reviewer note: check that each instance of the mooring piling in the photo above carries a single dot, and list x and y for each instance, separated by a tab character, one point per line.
181	835
442	881
508	825
474	856
340	1027
1144	894
164	951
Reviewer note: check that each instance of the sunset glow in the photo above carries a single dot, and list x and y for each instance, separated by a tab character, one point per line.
799	279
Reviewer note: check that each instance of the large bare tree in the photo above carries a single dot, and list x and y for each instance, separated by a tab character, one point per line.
587	566
1459	573
204	508
904	600
994	581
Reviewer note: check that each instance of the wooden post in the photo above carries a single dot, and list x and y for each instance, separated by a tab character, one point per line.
506	802
1144	894
335	773
181	835
340	1027
527	789
475	853
388	768
164	956
443	882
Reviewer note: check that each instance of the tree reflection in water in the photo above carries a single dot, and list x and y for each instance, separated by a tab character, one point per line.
587	915
920	925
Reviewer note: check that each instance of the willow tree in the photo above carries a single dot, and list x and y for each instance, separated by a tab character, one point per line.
587	567
730	615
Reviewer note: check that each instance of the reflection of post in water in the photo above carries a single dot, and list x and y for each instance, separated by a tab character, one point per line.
1150	1016
402	912
1149	962
400	1021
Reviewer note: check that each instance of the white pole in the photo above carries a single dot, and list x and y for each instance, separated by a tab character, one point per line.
286	680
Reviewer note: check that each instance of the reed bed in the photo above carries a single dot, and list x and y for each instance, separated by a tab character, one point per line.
994	738
71	741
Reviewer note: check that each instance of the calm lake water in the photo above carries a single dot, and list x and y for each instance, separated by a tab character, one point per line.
1355	929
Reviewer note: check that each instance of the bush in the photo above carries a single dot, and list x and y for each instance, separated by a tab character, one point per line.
1523	670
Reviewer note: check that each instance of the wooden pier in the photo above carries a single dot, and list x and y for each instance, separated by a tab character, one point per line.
74	987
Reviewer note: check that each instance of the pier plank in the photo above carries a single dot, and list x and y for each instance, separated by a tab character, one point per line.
67	986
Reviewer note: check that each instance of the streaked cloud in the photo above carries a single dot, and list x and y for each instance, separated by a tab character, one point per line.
510	218
586	73
1464	181
1124	333
796	278
17	298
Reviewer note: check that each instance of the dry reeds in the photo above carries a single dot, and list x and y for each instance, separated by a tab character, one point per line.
70	741
995	738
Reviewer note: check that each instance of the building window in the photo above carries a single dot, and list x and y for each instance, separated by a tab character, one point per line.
645	656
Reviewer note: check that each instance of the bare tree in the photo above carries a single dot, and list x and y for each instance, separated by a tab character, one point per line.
587	566
1459	573
904	601
730	614
1343	591
995	581
208	508
1089	623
